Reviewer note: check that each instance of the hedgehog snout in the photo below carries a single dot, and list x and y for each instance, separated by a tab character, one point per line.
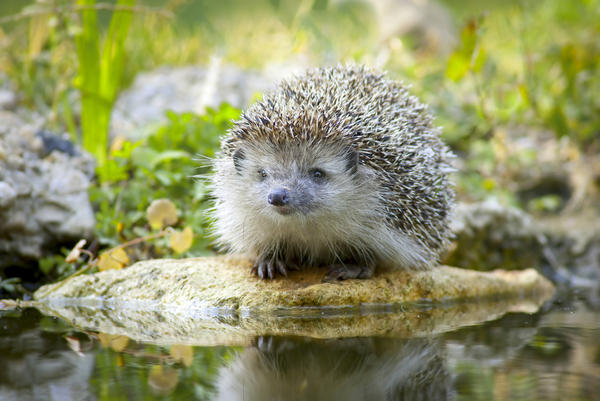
279	197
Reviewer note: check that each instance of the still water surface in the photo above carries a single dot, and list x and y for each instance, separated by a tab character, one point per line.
551	355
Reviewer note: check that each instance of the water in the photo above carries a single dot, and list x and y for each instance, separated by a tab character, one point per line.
550	355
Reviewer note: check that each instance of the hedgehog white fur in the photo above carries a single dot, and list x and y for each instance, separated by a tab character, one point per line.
339	167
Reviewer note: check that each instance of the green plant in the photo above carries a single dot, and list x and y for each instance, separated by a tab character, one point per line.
12	285
518	71
145	186
163	165
100	71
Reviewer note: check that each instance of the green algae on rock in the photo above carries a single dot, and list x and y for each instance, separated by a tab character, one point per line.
217	300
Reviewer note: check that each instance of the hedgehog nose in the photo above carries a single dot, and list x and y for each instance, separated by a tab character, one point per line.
279	197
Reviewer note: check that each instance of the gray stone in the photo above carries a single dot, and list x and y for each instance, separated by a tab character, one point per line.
43	198
7	195
182	89
428	20
490	236
8	96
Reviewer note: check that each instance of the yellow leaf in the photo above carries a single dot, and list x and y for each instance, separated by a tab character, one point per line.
181	241
113	341
182	353
38	35
162	379
115	259
160	213
117	144
489	184
524	93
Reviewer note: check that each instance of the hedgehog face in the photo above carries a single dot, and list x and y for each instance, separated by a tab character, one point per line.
295	180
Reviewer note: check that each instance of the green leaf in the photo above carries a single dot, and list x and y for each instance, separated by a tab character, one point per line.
468	55
478	58
113	52
169	155
99	74
144	157
458	66
164	177
111	171
558	121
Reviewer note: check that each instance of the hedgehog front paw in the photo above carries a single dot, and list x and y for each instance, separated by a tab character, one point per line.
269	267
344	272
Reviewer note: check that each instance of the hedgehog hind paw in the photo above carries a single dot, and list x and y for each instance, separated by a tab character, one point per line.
269	268
349	271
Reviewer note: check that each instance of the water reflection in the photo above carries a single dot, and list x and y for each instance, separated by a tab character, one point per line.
38	364
344	369
553	355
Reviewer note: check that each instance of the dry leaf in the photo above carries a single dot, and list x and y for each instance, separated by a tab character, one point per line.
160	213
115	259
117	143
75	252
182	353
162	380
181	241
116	342
75	345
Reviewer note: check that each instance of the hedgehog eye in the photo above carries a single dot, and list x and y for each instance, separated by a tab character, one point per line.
262	174
317	174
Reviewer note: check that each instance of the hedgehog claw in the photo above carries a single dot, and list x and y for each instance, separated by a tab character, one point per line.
345	272
292	266
260	269
268	268
281	268
271	269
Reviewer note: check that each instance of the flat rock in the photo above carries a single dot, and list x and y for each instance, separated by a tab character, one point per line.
217	300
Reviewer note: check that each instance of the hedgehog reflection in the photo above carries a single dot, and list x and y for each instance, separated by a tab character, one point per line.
346	369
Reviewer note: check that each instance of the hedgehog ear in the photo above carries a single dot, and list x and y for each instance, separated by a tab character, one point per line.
351	160
238	157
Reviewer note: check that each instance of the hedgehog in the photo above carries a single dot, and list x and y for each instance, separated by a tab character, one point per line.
339	167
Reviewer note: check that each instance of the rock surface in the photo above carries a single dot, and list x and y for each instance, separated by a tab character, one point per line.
43	190
427	20
217	301
182	89
8	96
491	236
